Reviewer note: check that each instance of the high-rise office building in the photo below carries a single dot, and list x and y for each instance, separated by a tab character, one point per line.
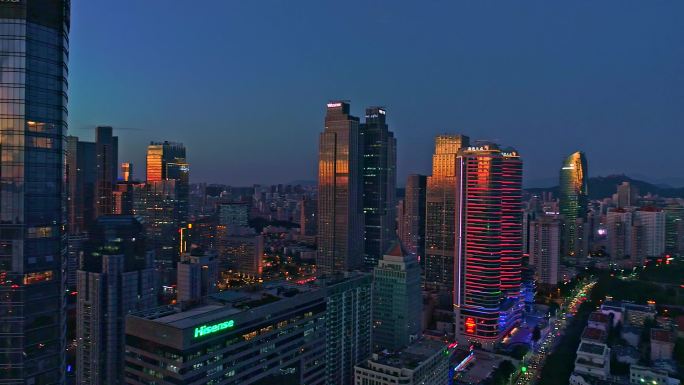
379	183
340	192
397	300
167	161
157	204
307	217
197	275
310	334
81	172
348	326
35	48
486	268
107	153
161	158
116	278
127	171
440	212
412	222
573	202
545	243
627	195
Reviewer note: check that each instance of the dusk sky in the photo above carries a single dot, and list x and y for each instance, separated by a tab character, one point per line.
244	83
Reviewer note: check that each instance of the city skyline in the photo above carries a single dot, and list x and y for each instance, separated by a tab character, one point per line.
542	93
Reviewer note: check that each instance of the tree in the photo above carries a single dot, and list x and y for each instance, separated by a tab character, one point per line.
536	333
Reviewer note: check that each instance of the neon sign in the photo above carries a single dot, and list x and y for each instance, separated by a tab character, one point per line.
470	325
334	105
204	330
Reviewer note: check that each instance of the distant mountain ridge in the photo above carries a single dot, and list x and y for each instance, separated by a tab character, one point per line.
605	186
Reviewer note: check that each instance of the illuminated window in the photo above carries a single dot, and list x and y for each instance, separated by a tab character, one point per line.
37	277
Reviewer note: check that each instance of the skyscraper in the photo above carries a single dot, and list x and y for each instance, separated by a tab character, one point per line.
545	249
397	300
340	215
167	161
573	201
487	270
511	223
413	219
33	83
379	185
627	195
81	180
348	326
116	278
307	216
440	215
107	153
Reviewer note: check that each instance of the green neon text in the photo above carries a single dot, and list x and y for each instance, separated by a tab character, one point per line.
203	330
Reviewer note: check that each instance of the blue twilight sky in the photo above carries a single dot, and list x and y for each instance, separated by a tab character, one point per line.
243	83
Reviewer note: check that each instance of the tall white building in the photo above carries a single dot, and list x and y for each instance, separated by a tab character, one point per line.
653	226
545	249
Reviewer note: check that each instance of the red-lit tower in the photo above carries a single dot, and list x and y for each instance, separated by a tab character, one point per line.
511	223
488	243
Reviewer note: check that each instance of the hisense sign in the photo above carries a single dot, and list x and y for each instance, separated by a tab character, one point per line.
204	330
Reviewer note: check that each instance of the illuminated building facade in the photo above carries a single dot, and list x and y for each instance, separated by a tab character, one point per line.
440	212
116	277
340	192
573	202
35	50
310	334
487	271
379	185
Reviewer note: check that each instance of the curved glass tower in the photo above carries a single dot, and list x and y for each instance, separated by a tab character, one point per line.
33	124
573	203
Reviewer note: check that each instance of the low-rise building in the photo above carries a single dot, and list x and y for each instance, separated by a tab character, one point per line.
638	314
662	344
424	362
593	359
598	320
631	334
645	375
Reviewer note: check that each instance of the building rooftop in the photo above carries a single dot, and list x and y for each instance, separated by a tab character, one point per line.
662	335
410	357
591	348
594	334
599	317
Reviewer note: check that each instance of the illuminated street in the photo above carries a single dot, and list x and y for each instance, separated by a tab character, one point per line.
530	372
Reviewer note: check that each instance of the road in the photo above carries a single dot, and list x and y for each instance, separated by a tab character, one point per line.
536	362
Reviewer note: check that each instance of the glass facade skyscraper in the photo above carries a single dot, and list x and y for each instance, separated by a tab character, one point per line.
33	125
440	214
340	192
573	202
379	185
